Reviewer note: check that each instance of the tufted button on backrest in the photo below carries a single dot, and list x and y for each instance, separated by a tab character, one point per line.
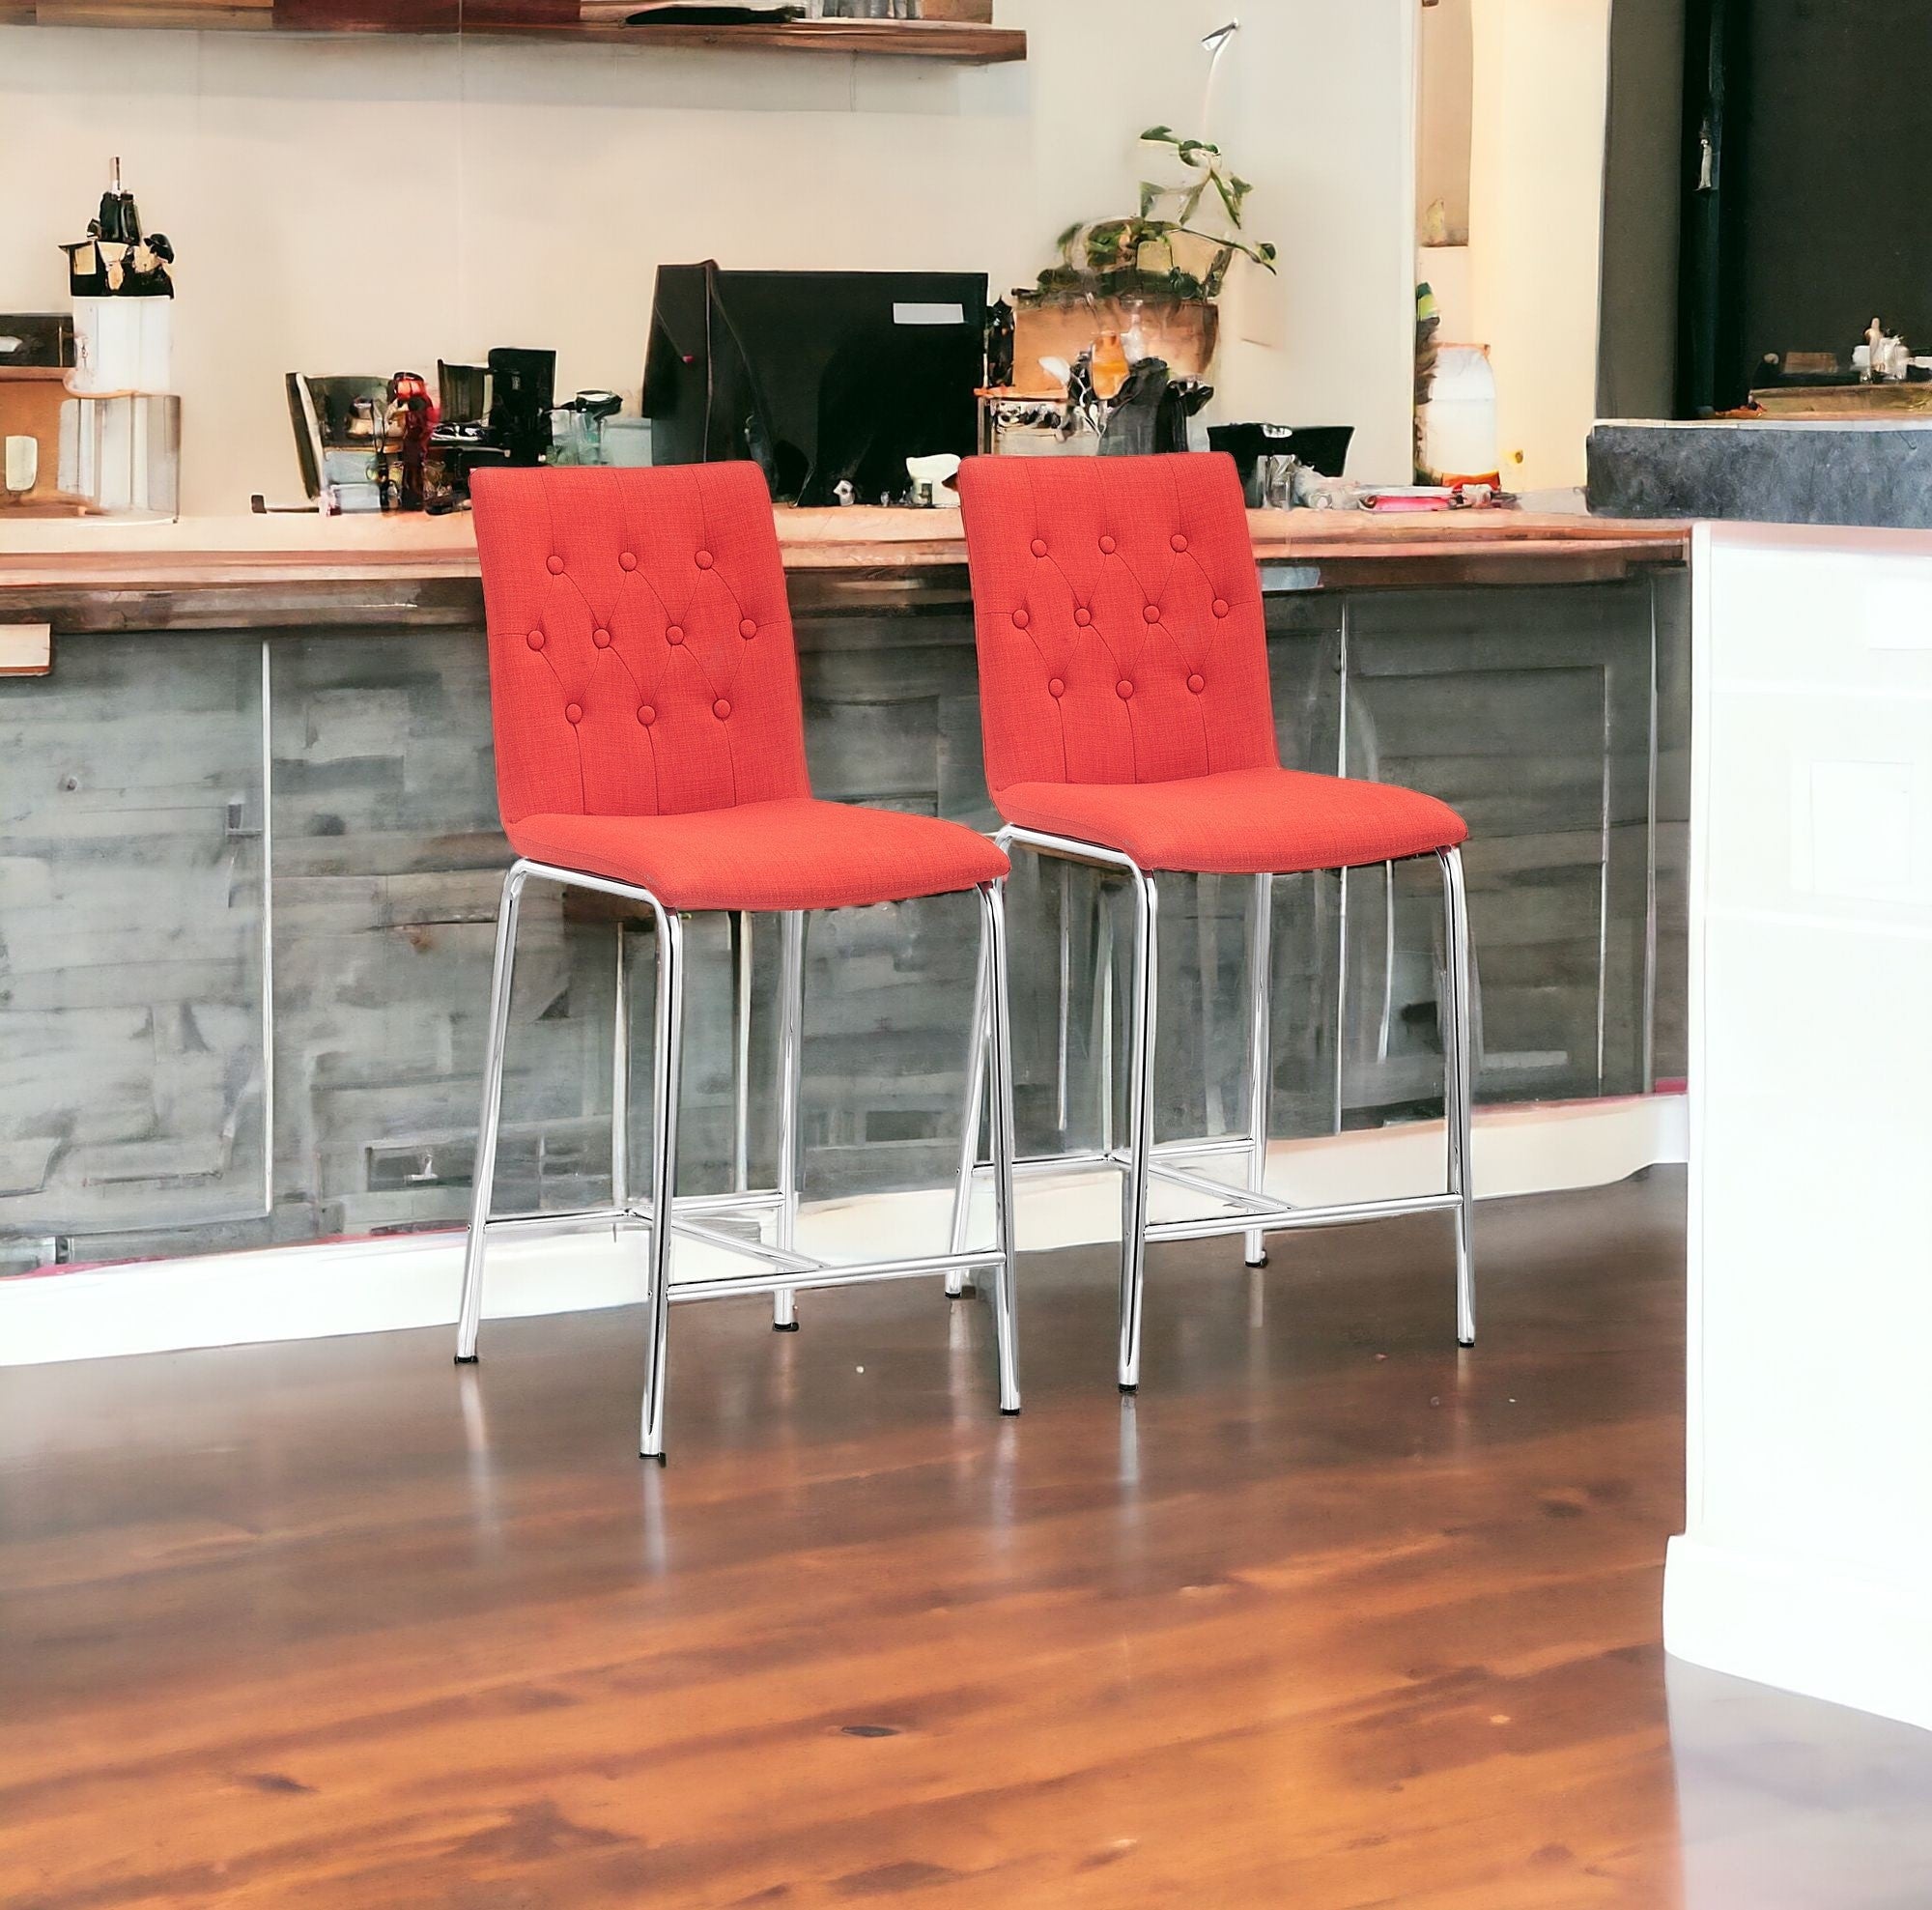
619	604
1127	588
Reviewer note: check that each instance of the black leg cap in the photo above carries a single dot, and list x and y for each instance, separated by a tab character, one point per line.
468	1358
1127	1392
1465	1343
1009	1412
968	1292
652	1457
1262	1262
784	1328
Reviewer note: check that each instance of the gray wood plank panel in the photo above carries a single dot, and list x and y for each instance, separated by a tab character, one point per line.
133	933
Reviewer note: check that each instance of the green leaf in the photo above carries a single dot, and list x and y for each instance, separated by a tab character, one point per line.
1160	135
1149	196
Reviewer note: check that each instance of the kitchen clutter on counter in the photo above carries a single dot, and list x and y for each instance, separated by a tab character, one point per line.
89	416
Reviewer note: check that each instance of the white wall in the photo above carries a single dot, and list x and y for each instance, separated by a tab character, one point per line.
349	204
1536	221
1323	105
1446	81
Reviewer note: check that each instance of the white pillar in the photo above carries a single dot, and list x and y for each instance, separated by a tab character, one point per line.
1806	1558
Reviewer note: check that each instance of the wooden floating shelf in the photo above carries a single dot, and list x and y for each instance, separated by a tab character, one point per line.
958	40
967	42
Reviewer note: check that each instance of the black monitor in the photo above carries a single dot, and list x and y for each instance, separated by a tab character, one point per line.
820	377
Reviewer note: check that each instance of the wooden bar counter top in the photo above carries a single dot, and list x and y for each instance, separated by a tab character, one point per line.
295	570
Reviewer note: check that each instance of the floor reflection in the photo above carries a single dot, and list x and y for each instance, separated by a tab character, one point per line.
1789	1804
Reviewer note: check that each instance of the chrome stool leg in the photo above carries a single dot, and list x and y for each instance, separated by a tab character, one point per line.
668	1056
741	1053
470	1316
620	1082
1460	1086
792	1067
1103	1011
1063	1031
1261	930
1141	1021
1000	1070
969	1140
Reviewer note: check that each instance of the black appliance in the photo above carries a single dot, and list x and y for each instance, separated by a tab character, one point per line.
1322	448
35	340
825	379
491	415
522	389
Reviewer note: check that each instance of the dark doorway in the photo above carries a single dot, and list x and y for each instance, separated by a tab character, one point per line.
1807	147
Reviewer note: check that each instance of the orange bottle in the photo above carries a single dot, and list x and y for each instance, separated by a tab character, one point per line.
1109	365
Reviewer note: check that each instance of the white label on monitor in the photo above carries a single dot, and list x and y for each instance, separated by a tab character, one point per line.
910	313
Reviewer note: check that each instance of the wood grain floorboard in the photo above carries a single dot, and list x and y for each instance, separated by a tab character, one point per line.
1330	1615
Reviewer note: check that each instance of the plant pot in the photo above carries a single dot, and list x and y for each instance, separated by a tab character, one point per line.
1183	331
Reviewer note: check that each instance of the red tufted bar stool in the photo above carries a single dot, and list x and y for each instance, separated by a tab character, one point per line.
1128	724
650	746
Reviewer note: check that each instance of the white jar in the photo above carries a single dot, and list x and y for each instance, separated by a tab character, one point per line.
1458	422
121	345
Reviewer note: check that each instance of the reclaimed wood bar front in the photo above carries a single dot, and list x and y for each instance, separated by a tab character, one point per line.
251	864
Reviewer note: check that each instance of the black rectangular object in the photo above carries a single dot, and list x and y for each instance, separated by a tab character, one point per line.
819	377
43	340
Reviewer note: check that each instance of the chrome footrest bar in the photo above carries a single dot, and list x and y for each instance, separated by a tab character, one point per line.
579	1220
758	1200
783	1258
865	1274
1199	1184
1080	1160
1212	1226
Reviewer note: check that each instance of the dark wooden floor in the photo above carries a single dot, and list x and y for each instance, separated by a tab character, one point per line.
1330	1616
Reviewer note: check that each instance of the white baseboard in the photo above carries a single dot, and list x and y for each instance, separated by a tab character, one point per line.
1799	1626
384	1284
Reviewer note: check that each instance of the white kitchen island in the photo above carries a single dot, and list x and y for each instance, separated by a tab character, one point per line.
1807	1561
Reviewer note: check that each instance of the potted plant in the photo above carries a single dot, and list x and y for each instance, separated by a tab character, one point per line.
1152	276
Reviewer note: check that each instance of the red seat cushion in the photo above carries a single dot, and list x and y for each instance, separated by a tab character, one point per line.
1242	821
793	853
